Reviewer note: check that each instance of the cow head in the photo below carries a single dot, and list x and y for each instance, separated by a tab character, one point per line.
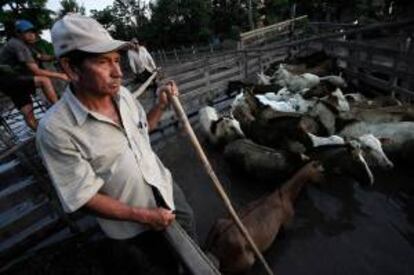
226	129
372	150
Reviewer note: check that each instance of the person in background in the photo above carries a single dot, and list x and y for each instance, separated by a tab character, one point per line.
43	52
140	60
44	55
20	74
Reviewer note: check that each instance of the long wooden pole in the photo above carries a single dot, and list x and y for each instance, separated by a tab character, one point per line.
145	85
219	188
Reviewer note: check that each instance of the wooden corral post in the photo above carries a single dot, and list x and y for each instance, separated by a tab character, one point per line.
7	136
240	64
410	66
176	55
165	55
240	45
246	64
160	56
354	55
206	70
400	59
260	59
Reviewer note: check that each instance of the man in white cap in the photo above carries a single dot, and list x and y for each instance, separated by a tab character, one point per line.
95	145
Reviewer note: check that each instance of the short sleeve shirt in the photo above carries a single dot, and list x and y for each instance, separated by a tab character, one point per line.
16	54
141	60
85	153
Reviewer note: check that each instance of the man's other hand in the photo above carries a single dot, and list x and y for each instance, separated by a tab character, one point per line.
159	218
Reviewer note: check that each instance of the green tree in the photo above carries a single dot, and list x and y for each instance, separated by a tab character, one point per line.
33	10
125	19
232	16
70	6
180	22
276	10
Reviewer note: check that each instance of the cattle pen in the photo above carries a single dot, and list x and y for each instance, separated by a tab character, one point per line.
341	229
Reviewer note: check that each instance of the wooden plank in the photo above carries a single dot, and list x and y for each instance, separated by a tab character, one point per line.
188	77
379	83
193	84
225	74
272	28
38	232
15	148
323	37
18	193
373	48
22	217
378	67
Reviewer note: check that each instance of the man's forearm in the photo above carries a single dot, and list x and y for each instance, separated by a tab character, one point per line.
41	72
109	208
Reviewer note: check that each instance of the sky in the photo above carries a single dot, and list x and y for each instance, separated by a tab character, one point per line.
88	4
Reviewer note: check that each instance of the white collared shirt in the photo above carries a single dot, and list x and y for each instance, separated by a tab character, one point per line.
85	153
141	60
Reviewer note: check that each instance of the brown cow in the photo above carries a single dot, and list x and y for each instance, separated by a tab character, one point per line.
263	219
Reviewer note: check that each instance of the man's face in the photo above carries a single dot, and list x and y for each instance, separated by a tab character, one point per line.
28	37
100	75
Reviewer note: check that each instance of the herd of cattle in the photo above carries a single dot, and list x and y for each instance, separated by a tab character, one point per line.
294	125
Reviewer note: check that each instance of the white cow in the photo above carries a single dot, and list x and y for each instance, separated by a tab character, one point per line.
396	133
370	146
337	100
285	101
219	130
304	82
373	153
295	83
323	141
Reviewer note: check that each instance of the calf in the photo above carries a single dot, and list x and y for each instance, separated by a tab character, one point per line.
263	219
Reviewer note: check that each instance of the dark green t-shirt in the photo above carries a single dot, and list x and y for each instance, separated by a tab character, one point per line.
44	47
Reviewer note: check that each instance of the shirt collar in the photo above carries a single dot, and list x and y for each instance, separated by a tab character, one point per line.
80	112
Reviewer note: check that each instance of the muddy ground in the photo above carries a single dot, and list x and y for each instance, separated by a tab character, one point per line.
340	227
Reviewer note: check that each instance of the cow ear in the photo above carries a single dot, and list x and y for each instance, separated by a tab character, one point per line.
385	141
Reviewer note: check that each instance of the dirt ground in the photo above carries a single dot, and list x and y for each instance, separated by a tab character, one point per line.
340	227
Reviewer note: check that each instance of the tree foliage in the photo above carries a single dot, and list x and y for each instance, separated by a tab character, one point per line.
70	6
33	10
180	22
124	19
172	23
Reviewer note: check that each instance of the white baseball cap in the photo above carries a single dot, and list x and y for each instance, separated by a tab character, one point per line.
78	32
